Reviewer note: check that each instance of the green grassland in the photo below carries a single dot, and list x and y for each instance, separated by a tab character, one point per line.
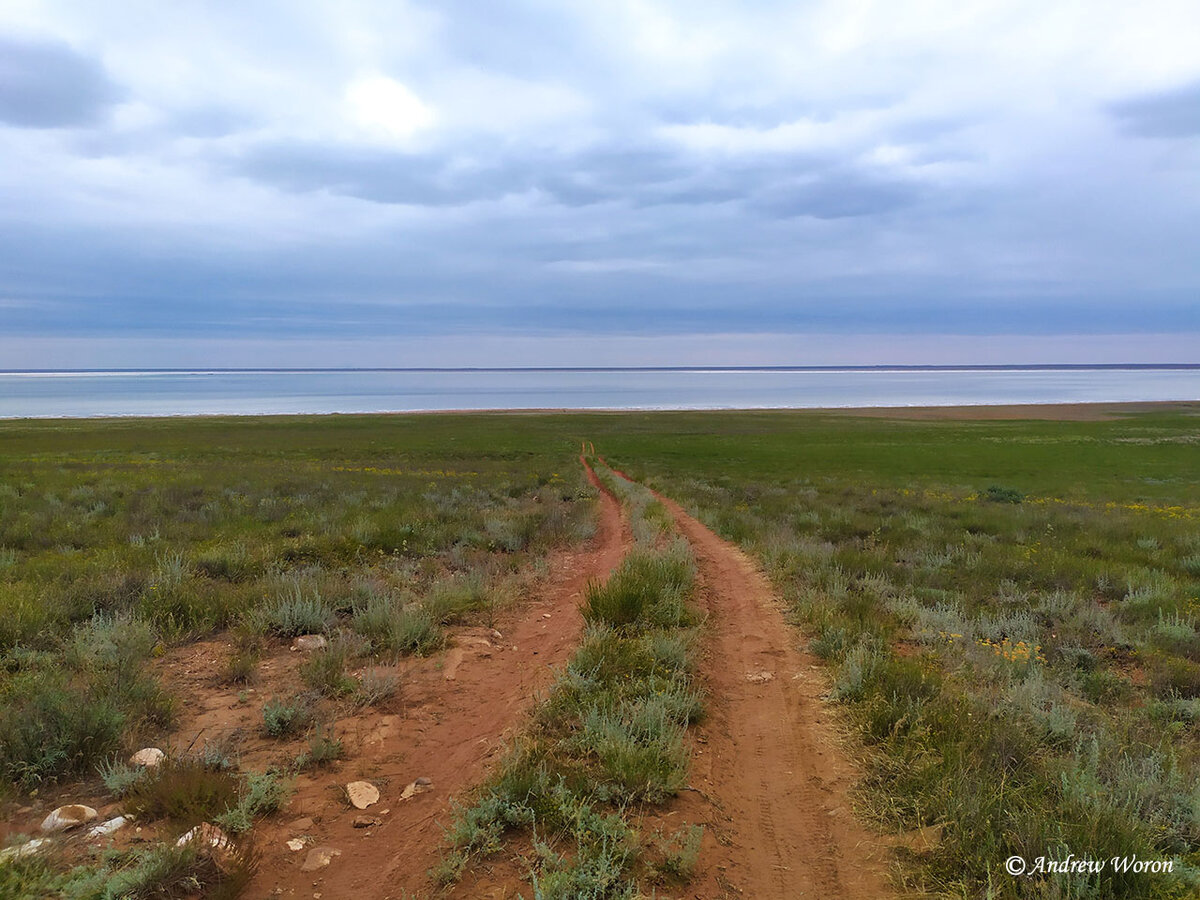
1009	609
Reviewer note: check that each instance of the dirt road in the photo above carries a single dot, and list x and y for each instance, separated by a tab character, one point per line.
769	766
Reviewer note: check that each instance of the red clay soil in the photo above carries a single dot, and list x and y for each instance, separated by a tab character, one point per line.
770	765
459	709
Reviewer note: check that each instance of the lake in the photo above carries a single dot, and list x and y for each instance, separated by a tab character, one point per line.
254	392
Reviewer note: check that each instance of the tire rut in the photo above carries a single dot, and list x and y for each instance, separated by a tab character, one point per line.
771	777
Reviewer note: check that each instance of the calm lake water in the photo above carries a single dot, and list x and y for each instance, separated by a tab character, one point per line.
159	393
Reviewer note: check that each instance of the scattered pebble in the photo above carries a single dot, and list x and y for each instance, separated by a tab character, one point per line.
319	858
366	821
297	844
362	794
760	677
148	757
68	817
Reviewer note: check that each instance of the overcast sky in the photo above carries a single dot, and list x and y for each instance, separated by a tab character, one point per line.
460	182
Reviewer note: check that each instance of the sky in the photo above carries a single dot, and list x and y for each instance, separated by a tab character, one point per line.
627	182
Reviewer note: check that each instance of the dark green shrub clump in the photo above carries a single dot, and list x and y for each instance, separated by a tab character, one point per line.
997	494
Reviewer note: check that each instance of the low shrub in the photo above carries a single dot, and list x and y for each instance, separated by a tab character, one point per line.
324	671
185	790
298	609
286	718
324	747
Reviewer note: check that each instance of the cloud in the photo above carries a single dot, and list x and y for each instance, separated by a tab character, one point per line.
1167	114
47	84
837	195
384	105
633	166
473	174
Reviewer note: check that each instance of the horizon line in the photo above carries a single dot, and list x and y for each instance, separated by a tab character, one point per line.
747	368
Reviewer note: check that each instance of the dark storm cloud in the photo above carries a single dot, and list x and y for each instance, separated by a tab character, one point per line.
46	84
1167	114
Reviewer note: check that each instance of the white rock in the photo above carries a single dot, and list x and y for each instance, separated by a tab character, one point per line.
112	826
208	834
29	848
362	794
310	642
760	677
148	757
68	817
296	844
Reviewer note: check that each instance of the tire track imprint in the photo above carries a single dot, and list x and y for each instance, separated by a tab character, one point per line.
770	775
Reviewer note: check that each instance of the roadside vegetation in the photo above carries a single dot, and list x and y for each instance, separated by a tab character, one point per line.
122	542
1021	661
608	745
1009	611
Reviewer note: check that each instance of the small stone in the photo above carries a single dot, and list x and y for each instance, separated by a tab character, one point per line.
148	757
309	642
302	824
68	817
29	848
296	844
319	858
545	615
362	794
112	826
760	677
366	821
496	635
420	786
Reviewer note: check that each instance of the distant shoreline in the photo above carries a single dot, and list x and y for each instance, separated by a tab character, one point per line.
217	370
1066	412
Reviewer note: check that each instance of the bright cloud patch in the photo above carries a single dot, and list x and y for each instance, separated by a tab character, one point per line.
386	107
